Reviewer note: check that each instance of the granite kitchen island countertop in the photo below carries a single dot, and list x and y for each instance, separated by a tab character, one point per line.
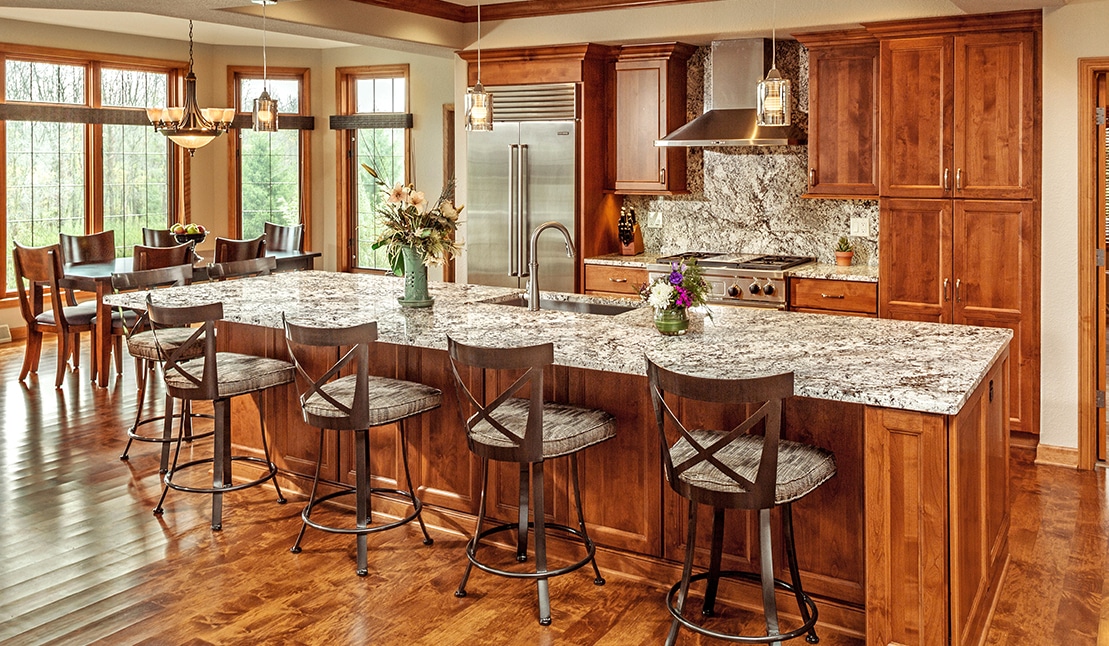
922	367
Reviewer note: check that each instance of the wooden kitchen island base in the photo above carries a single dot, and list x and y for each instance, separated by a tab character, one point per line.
908	544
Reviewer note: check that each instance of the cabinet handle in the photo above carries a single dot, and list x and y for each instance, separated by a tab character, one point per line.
812	177
947	179
662	175
959	179
958	296
823	295
618	280
945	296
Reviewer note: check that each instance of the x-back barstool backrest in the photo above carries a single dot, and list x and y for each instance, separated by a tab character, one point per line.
131	281
768	391
356	415
206	384
527	447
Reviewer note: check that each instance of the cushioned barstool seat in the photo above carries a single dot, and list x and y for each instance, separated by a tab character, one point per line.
357	403
737	469
526	431
216	377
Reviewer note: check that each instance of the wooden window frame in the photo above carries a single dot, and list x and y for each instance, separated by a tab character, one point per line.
286	121
93	115
345	103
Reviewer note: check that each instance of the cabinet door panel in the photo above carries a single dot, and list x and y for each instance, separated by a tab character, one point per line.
641	119
989	272
993	115
916	113
915	265
843	123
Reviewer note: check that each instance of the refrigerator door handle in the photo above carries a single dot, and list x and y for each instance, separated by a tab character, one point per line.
523	213
513	211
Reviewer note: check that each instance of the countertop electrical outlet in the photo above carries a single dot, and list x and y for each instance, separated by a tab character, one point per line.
860	227
654	220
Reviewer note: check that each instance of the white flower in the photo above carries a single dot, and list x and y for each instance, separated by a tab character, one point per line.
661	295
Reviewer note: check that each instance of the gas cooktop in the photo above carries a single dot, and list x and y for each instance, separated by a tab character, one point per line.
770	262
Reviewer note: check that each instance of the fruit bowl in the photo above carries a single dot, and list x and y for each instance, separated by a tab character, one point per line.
182	238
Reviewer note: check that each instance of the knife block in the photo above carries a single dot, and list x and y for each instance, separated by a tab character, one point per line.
636	246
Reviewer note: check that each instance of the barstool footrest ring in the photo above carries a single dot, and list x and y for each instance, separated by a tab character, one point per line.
416	503
590	551
270	474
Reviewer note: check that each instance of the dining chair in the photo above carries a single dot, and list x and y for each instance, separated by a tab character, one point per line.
37	271
229	250
242	268
158	238
95	247
158	257
284	237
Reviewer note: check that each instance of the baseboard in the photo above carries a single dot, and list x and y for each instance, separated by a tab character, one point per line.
1059	456
5	333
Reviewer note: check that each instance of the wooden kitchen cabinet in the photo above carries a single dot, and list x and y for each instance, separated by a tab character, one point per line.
843	114
611	280
824	296
967	262
650	101
958	115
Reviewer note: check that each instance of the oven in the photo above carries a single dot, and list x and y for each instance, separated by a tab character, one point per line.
745	280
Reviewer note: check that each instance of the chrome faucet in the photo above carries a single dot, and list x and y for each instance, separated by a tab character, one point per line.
533	262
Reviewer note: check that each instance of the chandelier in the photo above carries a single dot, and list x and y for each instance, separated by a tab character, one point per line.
189	126
265	108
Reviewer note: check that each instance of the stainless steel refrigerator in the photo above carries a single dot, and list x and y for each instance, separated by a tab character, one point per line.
520	175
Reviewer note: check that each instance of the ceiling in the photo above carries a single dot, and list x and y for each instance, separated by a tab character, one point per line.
440	27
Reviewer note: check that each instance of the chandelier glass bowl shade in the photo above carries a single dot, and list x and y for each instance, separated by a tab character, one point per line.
773	93
264	116
190	126
479	103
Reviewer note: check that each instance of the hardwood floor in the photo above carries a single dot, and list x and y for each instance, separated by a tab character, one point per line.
82	559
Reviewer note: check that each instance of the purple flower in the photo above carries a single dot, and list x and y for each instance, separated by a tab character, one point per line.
676	277
683	298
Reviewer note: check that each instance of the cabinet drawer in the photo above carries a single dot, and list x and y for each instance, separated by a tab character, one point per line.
833	295
612	279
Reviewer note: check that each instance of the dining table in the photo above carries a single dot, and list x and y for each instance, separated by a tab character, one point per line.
96	277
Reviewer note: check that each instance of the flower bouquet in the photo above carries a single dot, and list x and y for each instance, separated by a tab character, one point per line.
673	293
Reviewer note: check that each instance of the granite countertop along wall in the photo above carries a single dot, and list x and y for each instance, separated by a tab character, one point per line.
748	199
897	364
861	273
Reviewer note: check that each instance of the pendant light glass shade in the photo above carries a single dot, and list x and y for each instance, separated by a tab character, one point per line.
479	103
264	115
189	126
772	93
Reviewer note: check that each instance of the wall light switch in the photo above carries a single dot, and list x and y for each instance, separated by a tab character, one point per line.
654	220
860	227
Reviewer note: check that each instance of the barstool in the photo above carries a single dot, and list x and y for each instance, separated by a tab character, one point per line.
737	470
142	347
216	377
526	431
357	402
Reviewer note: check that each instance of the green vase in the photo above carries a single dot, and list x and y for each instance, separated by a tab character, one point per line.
671	321
415	279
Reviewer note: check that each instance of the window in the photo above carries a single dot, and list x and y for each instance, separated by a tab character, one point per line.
379	139
79	156
271	166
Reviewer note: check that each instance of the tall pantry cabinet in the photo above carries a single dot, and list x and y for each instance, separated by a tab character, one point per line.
959	186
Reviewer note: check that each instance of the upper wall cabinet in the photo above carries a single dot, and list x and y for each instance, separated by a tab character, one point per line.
958	113
843	114
650	98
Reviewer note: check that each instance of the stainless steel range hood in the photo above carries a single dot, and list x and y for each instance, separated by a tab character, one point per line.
737	68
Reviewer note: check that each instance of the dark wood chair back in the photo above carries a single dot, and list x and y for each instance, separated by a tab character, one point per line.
95	247
37	270
145	257
158	238
228	250
526	444
358	338
242	268
769	392
204	382
284	238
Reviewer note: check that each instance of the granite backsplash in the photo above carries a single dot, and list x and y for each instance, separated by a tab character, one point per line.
748	198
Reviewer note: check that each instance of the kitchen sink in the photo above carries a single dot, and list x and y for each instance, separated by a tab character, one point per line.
566	305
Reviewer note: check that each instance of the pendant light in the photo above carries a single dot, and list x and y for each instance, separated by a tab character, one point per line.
189	126
773	91
479	103
264	116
